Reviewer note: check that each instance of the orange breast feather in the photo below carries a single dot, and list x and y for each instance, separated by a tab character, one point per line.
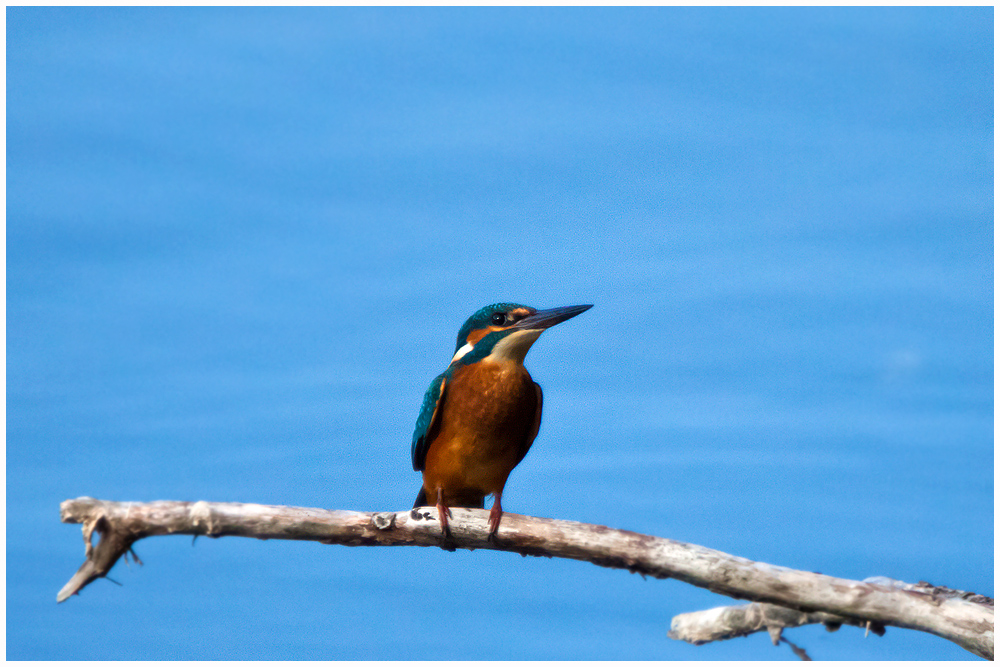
489	417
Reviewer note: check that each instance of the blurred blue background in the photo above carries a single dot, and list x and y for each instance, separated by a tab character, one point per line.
240	243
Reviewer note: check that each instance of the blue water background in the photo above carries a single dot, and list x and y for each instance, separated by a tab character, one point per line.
240	243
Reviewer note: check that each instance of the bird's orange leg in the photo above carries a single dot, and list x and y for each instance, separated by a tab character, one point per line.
495	512
443	514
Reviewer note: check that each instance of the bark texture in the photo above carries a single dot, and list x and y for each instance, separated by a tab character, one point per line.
879	603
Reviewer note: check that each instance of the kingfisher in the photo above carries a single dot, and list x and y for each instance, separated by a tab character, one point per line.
480	416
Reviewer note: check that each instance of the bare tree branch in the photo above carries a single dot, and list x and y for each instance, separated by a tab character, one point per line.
720	623
968	624
710	625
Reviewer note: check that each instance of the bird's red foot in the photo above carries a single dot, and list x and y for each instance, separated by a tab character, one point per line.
443	514
495	513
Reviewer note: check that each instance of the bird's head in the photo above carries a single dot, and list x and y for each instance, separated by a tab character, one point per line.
506	331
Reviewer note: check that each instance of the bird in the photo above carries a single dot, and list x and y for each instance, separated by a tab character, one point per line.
480	416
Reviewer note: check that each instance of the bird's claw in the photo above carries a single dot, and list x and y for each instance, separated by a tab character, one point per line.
443	514
495	514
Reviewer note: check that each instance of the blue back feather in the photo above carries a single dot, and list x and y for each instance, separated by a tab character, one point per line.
418	451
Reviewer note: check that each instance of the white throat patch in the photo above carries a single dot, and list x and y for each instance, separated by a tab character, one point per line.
514	346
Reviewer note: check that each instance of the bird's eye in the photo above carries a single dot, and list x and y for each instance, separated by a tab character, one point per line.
499	319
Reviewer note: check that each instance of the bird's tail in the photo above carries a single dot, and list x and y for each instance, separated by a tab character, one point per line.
421	500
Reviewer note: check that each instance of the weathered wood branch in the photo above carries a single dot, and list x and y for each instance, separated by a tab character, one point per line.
720	623
120	524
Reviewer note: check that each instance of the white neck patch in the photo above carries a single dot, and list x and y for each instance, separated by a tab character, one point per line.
461	352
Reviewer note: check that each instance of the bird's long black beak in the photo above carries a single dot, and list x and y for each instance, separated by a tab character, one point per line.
543	319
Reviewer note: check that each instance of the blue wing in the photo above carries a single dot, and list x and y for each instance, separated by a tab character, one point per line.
425	422
536	422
